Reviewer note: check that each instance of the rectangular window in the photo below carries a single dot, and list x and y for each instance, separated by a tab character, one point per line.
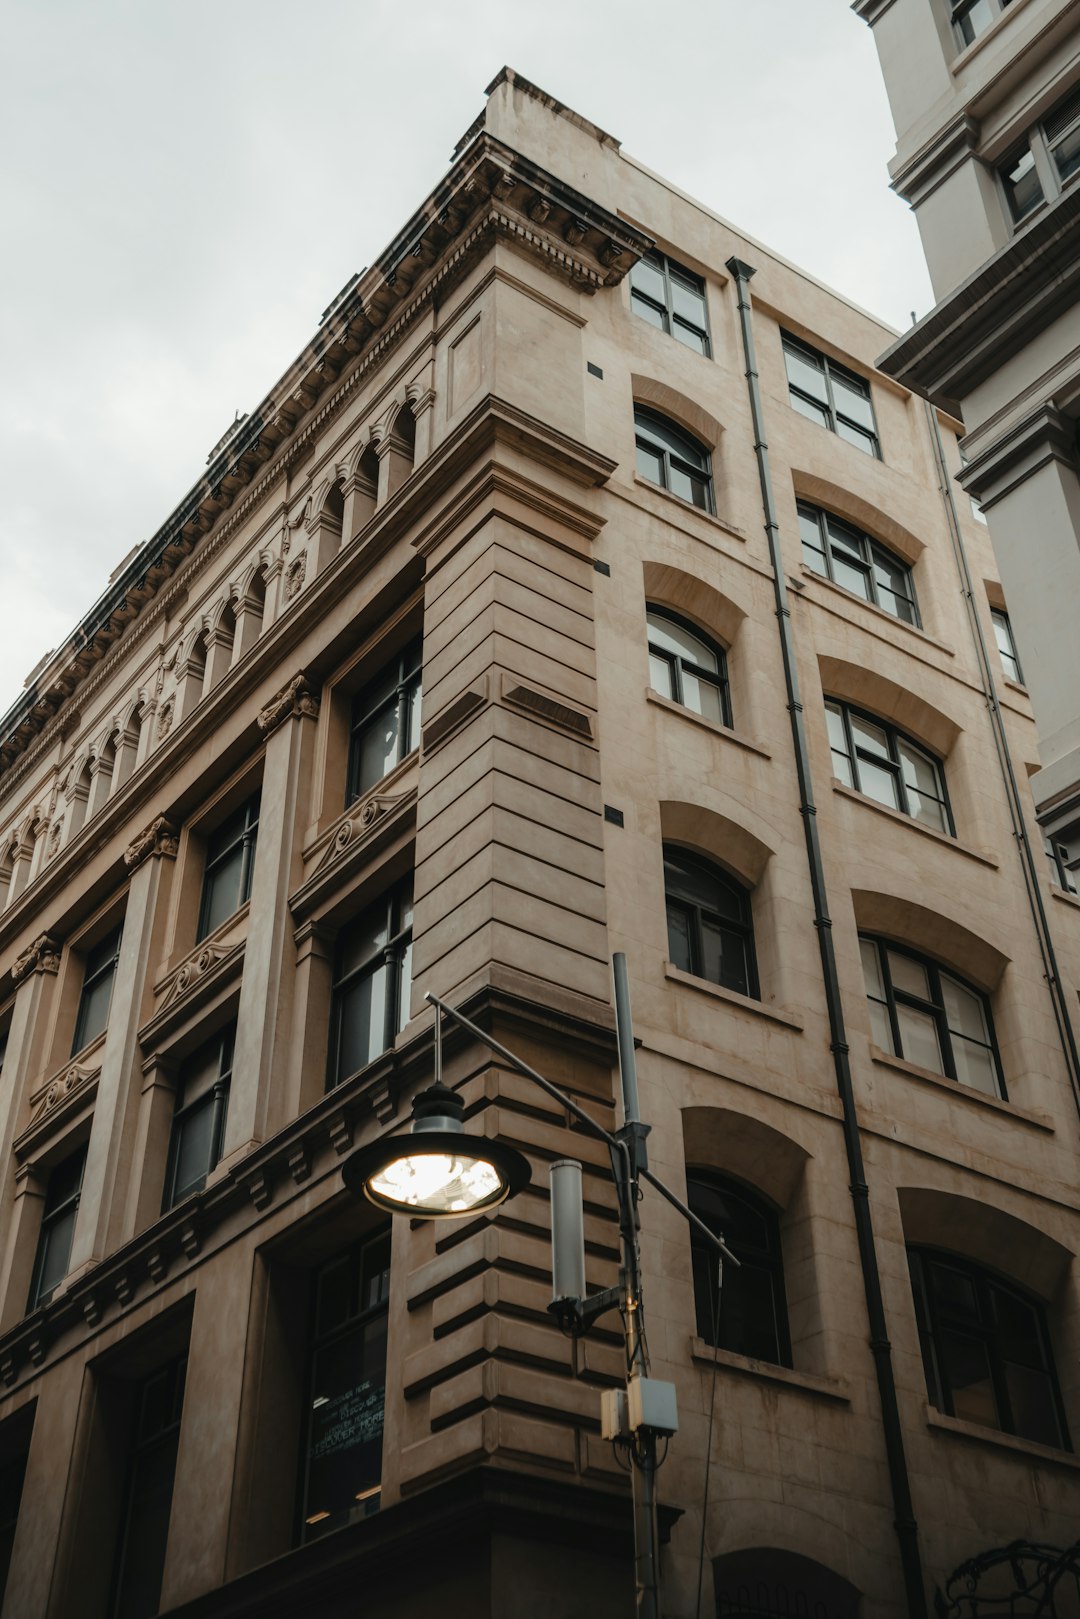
14	1453
1063	865
1039	167
1006	645
342	1455
230	861
372	983
973	17
202	1101
57	1228
144	1532
99	971
830	395
671	298
385	724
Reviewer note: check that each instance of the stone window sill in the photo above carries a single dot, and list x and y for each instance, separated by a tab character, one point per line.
885	1059
1018	686
808	575
701	719
733	998
945	838
826	1388
688	506
1066	899
1002	1441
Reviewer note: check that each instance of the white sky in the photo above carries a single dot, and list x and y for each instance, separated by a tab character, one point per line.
188	183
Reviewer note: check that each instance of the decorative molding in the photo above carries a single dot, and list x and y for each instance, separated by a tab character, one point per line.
160	839
297	699
190	972
355	828
60	1097
43	956
1043	436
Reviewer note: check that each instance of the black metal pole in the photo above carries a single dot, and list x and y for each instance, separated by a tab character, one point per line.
904	1514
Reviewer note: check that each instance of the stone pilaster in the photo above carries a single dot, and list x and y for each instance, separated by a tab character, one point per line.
34	972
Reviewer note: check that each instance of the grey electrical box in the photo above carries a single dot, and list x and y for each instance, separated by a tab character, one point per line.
613	1414
650	1403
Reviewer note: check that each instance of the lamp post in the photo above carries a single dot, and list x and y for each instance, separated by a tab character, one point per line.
438	1172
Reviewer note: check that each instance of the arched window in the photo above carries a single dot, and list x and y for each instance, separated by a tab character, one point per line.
687	666
710	930
753	1309
928	1016
850	557
985	1347
878	760
671	458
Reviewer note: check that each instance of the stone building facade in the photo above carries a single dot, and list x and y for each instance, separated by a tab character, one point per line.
985	97
535	616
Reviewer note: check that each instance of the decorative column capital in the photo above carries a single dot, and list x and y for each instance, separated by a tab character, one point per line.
43	956
161	837
298	699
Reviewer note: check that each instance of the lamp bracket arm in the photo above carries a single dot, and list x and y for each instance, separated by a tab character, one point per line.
699	1226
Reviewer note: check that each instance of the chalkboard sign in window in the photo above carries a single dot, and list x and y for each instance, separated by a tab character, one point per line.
343	1442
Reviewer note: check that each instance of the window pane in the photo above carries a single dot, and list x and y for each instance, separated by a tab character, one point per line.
1067	153
893	584
672	637
975	1066
194	1149
647	277
649	312
221	897
806	374
650	464
853	401
404	986
966	1370
688	486
924	788
93	1011
344	1451
816	413
377	748
688	302
899	605
678	926
869	738
855	435
964	1010
724	956
853	579
812	543
878	784
748	1323
55	1251
1033	1407
702	697
362	1022
973	19
690	335
841	761
919	1038
413	708
661	676
363	939
1023	188
909	976
871	966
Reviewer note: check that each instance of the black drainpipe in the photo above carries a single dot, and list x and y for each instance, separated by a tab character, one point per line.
904	1516
1028	864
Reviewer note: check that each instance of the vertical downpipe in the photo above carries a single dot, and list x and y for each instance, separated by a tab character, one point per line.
904	1516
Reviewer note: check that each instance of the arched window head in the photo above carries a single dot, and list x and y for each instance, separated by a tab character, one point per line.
986	1349
687	665
710	929
748	1314
672	459
931	1017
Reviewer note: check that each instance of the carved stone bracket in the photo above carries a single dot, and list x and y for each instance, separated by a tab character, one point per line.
63	1088
194	968
160	838
353	830
298	698
42	956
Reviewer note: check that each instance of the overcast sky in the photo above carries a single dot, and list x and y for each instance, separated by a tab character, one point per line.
187	183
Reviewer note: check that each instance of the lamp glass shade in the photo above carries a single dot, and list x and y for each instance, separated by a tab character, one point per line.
437	1183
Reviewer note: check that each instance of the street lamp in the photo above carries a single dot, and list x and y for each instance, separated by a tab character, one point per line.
437	1172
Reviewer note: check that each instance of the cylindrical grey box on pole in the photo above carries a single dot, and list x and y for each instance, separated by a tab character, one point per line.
624	1030
567	1231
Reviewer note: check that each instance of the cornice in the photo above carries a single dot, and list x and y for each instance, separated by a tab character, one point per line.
1044	435
932	165
1007	302
871	11
491	192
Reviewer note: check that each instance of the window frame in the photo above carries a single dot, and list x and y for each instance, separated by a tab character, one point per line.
870	550
1042	147
717	678
51	1217
743	926
174	1371
407	689
934	1007
1061	871
894	738
671	321
831	368
218	852
215	1097
354	1258
99	961
1008	654
959	10
769	1259
392	957
701	473
933	1321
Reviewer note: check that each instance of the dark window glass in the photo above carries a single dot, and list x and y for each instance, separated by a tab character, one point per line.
98	974
230	861
3	1050
876	759
688	667
830	395
753	1309
671	458
1006	645
148	1501
202	1101
1064	862
57	1228
851	558
1020	178
385	721
372	983
12	1473
671	297
710	932
973	17
986	1349
1062	131
928	1016
342	1459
